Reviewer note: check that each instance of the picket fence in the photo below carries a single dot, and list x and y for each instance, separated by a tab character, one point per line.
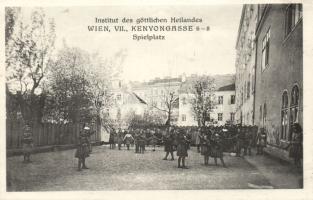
46	134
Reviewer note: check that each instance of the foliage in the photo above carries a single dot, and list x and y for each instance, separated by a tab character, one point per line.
202	98
29	47
149	118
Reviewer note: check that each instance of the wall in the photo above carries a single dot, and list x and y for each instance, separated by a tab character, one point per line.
284	70
186	109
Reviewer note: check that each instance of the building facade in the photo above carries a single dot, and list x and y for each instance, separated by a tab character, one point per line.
160	95
124	102
279	73
224	111
245	65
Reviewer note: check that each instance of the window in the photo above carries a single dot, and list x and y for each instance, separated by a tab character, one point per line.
232	116
232	99
284	116
265	49
220	116
184	101
183	118
220	99
208	117
119	97
294	108
292	16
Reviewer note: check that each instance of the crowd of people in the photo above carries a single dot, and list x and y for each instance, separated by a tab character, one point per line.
211	141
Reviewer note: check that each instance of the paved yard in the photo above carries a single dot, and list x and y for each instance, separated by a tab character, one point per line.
125	170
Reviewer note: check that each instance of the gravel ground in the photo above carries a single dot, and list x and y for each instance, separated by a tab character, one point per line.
125	170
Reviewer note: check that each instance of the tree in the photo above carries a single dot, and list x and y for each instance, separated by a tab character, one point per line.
29	47
202	98
169	101
148	118
69	87
100	75
79	86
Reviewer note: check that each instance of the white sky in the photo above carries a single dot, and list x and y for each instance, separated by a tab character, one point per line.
211	52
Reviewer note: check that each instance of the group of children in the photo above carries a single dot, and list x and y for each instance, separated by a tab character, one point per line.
210	142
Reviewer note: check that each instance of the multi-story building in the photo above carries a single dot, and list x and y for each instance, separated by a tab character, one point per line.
124	103
279	68
224	111
159	94
245	65
155	95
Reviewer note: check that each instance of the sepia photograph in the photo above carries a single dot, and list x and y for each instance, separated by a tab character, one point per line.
154	97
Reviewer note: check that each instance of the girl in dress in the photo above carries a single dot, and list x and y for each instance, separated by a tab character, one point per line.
205	146
82	151
28	144
182	148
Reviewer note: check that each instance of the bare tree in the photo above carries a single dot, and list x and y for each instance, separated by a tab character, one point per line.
169	101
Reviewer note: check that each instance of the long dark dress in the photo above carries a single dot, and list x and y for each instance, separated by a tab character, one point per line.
168	143
217	147
82	150
205	145
182	146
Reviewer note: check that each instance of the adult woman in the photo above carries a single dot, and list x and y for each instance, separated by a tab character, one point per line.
28	144
82	151
296	150
182	147
261	141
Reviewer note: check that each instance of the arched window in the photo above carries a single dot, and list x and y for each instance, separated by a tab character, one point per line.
294	108
284	116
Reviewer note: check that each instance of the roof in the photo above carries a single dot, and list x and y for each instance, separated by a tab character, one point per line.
164	80
230	87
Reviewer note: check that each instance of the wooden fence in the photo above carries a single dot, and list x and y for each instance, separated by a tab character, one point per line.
46	134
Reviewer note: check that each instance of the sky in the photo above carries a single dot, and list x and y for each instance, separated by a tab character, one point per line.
204	52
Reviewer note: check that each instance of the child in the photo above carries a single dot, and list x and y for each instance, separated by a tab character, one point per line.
205	146
217	149
128	138
182	148
168	145
82	151
27	142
